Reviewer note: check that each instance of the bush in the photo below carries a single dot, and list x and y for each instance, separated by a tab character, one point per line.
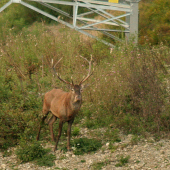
85	145
27	152
154	22
30	151
122	160
76	131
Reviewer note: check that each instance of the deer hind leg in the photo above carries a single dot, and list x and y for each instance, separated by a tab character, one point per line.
51	121
59	133
42	122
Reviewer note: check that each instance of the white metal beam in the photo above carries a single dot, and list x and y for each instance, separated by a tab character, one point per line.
6	5
82	23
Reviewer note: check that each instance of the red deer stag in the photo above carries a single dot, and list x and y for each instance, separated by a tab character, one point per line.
63	105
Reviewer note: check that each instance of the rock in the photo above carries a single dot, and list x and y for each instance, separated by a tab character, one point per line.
107	144
3	166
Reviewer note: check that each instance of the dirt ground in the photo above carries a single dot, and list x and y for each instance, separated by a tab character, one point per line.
146	154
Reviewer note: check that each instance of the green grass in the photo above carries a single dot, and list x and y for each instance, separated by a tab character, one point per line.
100	165
84	145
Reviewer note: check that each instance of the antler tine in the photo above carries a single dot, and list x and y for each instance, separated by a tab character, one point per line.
89	74
64	81
57	62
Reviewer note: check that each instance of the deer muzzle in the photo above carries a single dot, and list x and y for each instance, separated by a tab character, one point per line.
77	98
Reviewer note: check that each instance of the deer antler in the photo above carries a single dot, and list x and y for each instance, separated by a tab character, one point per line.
89	74
64	81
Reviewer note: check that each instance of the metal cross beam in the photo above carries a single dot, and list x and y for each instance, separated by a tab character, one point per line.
106	23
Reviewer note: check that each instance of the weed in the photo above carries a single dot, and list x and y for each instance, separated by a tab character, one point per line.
7	153
76	131
135	139
125	145
46	160
27	152
62	157
112	147
85	145
83	161
99	165
112	134
122	161
137	161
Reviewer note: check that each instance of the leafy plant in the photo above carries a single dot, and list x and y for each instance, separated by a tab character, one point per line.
122	161
76	131
156	31
135	139
27	152
85	145
83	161
46	160
99	165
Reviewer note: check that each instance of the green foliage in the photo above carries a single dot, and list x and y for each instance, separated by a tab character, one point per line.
30	151
154	22
46	160
112	134
99	165
93	121
27	152
83	161
76	131
135	139
85	145
122	161
7	153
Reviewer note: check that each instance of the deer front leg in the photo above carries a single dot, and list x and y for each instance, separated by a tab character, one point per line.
50	123
69	134
59	134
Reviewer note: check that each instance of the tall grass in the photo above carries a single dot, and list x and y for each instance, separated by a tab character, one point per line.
127	90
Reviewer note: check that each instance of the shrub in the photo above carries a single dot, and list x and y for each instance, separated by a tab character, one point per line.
154	22
122	161
30	151
76	131
85	145
27	152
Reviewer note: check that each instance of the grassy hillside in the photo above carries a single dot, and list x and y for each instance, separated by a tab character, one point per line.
129	90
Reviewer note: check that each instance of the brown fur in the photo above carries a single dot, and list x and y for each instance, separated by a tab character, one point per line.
63	105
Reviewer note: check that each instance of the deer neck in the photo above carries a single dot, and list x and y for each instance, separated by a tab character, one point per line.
75	106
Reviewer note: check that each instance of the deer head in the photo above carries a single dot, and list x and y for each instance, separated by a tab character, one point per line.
76	89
